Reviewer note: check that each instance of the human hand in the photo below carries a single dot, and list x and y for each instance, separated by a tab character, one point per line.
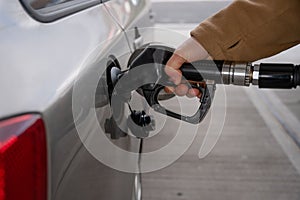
188	51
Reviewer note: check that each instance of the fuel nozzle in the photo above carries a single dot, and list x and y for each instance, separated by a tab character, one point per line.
140	124
145	74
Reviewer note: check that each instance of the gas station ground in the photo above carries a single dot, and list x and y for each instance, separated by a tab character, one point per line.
257	155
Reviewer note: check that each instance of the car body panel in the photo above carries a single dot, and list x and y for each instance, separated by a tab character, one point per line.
40	62
29	42
131	14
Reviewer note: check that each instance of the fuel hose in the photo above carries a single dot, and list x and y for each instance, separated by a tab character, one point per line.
264	75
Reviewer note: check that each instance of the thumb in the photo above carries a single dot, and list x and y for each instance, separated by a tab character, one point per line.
172	68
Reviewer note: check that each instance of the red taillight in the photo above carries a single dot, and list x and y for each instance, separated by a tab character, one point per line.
23	158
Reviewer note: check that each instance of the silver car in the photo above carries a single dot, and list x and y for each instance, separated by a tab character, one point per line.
47	47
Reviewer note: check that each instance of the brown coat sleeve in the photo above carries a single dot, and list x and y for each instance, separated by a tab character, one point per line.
248	30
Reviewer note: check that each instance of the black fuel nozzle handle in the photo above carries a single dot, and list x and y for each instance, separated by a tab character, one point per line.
203	70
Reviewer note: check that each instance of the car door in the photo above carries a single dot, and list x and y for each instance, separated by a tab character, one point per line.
135	17
69	43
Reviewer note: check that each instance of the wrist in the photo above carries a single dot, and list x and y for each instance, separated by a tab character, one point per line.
191	50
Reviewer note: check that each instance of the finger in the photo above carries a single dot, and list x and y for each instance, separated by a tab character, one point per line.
175	61
175	75
181	90
193	92
169	89
190	96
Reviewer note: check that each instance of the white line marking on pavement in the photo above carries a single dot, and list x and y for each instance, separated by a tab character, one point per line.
283	115
264	108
